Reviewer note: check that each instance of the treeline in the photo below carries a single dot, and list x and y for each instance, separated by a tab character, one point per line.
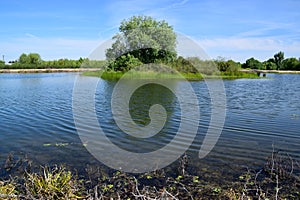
181	64
278	62
228	67
34	61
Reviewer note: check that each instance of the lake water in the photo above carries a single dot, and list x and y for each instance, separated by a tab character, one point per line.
36	120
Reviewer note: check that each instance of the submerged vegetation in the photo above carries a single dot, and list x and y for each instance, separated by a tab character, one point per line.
277	179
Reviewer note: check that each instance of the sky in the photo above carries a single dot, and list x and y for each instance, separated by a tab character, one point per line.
233	29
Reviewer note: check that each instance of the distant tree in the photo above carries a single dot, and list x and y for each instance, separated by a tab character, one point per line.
269	64
24	59
34	58
279	57
221	64
290	64
145	39
229	65
233	66
2	63
252	63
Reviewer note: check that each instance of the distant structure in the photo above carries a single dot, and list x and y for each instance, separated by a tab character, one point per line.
3	58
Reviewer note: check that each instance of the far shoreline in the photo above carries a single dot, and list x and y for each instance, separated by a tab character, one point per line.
57	70
48	70
271	71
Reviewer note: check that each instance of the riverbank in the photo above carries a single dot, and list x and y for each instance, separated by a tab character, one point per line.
272	181
49	70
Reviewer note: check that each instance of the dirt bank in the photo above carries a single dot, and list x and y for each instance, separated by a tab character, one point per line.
47	70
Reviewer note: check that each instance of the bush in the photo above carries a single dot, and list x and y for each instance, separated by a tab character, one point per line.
124	63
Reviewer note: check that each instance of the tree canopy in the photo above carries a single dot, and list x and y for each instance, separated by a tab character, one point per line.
278	62
278	58
32	58
145	39
252	63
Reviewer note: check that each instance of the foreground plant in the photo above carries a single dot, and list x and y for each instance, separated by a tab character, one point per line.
278	179
56	183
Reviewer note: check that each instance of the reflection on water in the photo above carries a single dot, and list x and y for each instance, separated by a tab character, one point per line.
140	102
36	115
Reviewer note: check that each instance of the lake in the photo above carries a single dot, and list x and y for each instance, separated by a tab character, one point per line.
261	114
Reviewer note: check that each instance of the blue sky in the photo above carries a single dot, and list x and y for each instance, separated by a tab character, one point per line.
71	29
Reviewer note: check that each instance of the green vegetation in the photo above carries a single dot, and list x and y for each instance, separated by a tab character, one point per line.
154	75
2	64
34	61
276	63
115	75
277	179
252	63
56	183
142	40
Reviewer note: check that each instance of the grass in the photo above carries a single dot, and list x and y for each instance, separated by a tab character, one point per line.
56	183
236	75
113	75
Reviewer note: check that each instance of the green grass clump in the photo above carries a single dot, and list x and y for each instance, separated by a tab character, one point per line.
56	183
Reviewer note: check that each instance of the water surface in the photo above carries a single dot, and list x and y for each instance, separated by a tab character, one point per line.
37	120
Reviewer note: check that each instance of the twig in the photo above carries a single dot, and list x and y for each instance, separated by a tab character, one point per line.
183	186
96	192
277	187
168	193
273	160
292	170
138	191
258	188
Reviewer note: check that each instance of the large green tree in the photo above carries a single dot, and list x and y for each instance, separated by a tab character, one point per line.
145	39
